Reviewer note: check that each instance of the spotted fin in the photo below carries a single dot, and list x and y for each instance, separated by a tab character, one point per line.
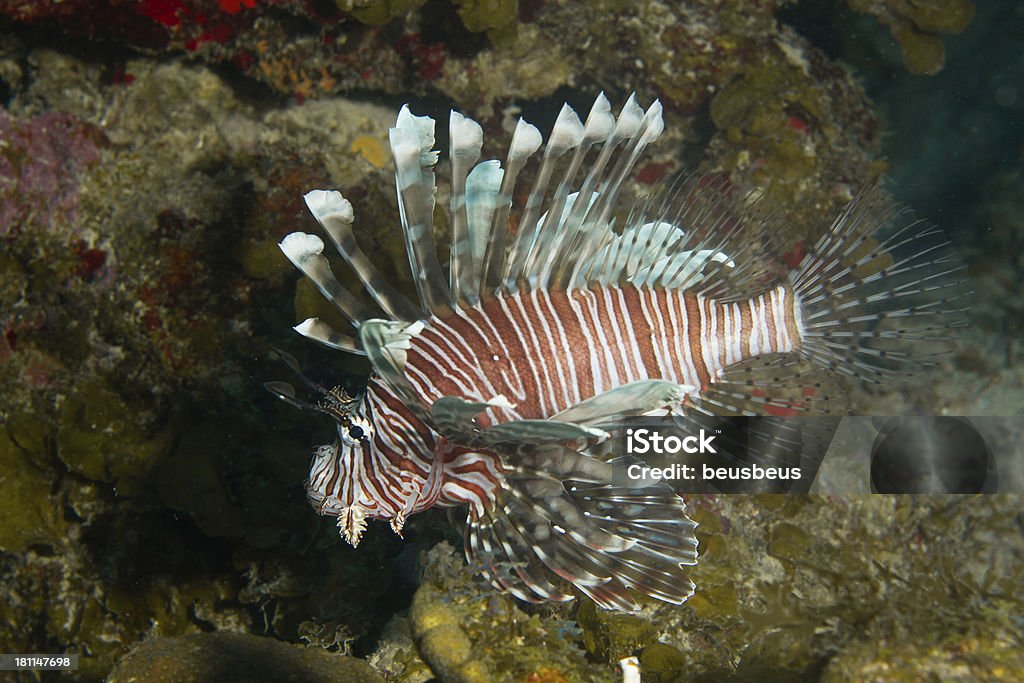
545	536
882	293
777	384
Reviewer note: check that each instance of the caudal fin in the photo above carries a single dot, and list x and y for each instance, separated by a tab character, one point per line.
882	294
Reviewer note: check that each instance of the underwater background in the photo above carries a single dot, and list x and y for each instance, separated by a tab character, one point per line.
153	153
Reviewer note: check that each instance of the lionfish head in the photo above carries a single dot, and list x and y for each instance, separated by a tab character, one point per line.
334	486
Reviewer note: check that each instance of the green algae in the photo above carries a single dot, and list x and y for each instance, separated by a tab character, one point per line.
378	12
262	259
30	513
915	24
610	636
101	437
661	663
496	17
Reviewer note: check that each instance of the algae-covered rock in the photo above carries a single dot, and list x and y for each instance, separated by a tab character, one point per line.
785	582
262	259
915	24
102	437
30	513
190	480
497	17
982	655
611	636
231	657
661	663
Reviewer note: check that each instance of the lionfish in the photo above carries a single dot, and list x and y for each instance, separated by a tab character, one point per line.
559	318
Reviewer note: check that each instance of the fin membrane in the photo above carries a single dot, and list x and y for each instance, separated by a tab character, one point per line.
544	535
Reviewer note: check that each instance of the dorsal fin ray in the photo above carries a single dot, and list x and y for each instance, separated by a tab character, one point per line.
599	126
322	333
412	140
626	126
306	252
334	213
525	141
466	141
567	133
581	248
700	236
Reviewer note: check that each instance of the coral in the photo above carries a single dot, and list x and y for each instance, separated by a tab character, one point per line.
916	24
532	67
442	642
986	653
463	632
42	160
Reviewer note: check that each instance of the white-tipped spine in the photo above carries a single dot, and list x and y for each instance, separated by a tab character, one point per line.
422	127
467	137
630	119
328	204
299	247
466	142
525	141
322	333
600	121
567	132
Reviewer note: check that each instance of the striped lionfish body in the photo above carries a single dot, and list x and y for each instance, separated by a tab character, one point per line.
553	326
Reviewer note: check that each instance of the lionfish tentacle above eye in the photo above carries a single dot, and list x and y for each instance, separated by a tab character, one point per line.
567	308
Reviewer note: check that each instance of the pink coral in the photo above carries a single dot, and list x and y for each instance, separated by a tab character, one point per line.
41	163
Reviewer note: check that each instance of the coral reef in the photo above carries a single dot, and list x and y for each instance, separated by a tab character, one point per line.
152	494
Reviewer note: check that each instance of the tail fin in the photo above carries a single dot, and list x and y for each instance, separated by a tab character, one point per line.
558	522
881	294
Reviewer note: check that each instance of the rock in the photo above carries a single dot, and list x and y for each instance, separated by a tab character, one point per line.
230	657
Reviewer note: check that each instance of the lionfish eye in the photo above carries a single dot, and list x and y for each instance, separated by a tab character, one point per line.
355	432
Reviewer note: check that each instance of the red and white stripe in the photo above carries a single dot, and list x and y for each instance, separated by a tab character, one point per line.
546	351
